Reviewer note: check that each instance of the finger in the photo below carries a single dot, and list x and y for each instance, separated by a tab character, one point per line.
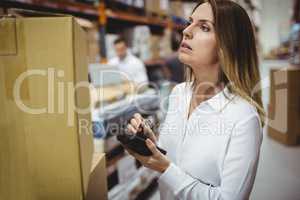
149	132
134	123
142	159
131	129
152	136
138	116
139	119
152	147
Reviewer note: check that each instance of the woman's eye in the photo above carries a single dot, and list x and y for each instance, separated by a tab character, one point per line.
205	28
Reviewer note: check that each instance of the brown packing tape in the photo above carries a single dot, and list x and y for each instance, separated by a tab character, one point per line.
15	56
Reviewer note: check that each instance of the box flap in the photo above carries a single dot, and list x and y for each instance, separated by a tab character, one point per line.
8	31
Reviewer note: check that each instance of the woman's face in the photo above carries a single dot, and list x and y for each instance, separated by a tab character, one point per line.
199	47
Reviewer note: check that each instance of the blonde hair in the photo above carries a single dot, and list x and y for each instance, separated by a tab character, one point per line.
237	52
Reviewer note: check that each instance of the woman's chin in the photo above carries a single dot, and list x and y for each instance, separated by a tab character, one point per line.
184	58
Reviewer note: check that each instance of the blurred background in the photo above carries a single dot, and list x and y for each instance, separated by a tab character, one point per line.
147	34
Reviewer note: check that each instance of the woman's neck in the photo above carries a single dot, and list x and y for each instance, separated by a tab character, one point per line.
207	81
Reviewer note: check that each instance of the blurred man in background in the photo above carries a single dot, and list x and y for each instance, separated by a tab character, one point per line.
128	63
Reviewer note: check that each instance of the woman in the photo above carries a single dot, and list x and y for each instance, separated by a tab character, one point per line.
213	127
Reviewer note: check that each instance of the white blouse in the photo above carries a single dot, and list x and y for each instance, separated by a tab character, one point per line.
215	152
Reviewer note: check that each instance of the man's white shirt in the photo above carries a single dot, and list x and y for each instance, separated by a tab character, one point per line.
132	67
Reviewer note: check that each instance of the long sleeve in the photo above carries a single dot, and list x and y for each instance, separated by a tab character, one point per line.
172	109
237	172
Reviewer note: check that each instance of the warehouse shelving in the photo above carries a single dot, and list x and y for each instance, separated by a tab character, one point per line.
77	9
87	11
110	20
296	11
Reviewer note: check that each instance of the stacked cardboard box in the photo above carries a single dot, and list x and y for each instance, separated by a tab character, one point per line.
284	107
165	44
2	12
176	8
157	6
45	152
155	46
160	45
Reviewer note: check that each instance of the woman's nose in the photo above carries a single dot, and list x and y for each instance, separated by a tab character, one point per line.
187	33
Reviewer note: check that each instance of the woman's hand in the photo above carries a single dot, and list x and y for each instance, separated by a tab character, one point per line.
135	125
157	162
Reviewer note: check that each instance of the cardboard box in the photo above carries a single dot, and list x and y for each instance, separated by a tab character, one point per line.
155	48
157	6
2	11
284	86
176	8
284	124
153	6
45	153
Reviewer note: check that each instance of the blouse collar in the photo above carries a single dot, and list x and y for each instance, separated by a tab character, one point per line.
220	100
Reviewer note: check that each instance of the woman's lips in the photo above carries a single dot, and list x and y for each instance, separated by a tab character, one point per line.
185	48
185	45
